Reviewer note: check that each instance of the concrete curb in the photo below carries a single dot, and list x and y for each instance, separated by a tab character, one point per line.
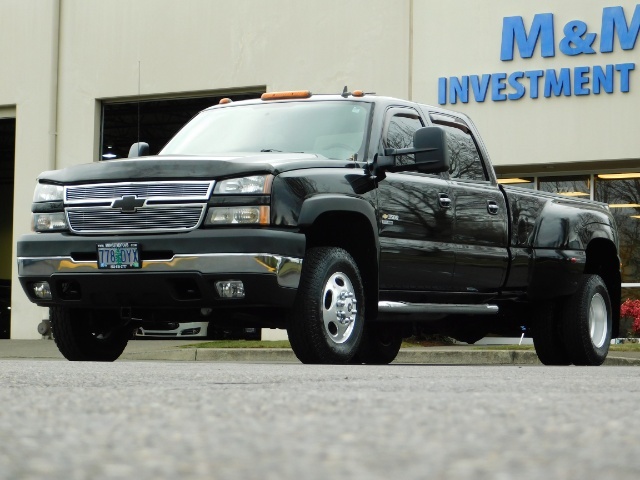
176	354
622	362
468	357
406	356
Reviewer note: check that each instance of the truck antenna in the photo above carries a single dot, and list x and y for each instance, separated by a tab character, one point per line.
139	106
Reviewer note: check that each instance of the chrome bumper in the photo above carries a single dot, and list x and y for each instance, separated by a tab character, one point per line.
286	269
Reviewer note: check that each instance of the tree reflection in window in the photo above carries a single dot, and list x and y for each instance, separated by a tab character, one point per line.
400	135
623	196
569	186
464	156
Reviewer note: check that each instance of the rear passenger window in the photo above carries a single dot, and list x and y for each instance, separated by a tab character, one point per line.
466	163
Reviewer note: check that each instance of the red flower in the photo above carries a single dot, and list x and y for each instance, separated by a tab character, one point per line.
631	308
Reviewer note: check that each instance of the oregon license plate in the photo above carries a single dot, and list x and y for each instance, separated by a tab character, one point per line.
118	255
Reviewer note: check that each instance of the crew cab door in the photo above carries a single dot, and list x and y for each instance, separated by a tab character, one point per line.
416	220
480	232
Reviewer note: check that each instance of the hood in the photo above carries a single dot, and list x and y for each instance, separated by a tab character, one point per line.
188	167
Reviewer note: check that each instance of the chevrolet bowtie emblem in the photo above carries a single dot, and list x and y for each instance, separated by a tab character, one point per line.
128	203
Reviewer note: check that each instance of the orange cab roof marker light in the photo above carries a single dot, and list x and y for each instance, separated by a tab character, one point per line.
356	93
286	95
224	101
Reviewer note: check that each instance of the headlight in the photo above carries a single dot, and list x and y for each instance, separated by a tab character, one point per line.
49	222
253	184
249	215
46	192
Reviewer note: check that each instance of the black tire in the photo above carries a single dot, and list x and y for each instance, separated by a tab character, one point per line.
326	322
547	333
380	344
587	322
84	335
214	332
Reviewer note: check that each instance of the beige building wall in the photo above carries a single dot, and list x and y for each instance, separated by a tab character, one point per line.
463	37
28	33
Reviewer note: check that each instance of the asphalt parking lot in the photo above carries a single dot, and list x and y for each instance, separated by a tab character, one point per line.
153	420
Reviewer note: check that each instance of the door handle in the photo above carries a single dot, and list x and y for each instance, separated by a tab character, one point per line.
492	207
444	201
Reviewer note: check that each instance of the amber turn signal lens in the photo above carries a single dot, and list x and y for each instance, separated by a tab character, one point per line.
285	95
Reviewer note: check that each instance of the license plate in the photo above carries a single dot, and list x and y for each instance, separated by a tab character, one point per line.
121	255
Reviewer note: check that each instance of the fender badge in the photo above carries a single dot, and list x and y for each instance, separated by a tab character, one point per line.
389	219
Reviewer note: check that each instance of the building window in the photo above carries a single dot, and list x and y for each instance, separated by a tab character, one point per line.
570	186
151	121
522	182
622	193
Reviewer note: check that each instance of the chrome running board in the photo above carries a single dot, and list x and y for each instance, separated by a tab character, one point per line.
437	308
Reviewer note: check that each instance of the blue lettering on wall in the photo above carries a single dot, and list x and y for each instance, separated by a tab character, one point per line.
480	87
581	79
602	78
517	86
576	39
557	84
532	83
625	71
525	40
514	33
459	88
498	85
534	76
614	22
442	91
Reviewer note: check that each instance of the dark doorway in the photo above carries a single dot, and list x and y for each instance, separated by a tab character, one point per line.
7	169
151	121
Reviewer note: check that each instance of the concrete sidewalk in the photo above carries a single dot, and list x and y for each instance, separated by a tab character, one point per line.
170	350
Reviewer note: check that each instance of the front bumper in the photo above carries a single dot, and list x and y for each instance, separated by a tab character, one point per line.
177	271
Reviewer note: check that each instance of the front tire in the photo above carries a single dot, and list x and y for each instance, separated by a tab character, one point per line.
85	335
326	323
587	321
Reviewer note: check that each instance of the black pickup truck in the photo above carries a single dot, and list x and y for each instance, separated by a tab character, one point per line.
351	220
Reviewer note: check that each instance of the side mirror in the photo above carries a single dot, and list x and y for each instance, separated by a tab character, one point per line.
432	152
139	149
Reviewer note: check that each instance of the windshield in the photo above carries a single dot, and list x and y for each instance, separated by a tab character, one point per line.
333	129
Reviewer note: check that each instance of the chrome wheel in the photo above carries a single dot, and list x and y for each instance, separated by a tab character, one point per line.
339	308
326	322
598	323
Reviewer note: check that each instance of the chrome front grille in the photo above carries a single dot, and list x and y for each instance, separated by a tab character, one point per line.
185	190
137	207
157	218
